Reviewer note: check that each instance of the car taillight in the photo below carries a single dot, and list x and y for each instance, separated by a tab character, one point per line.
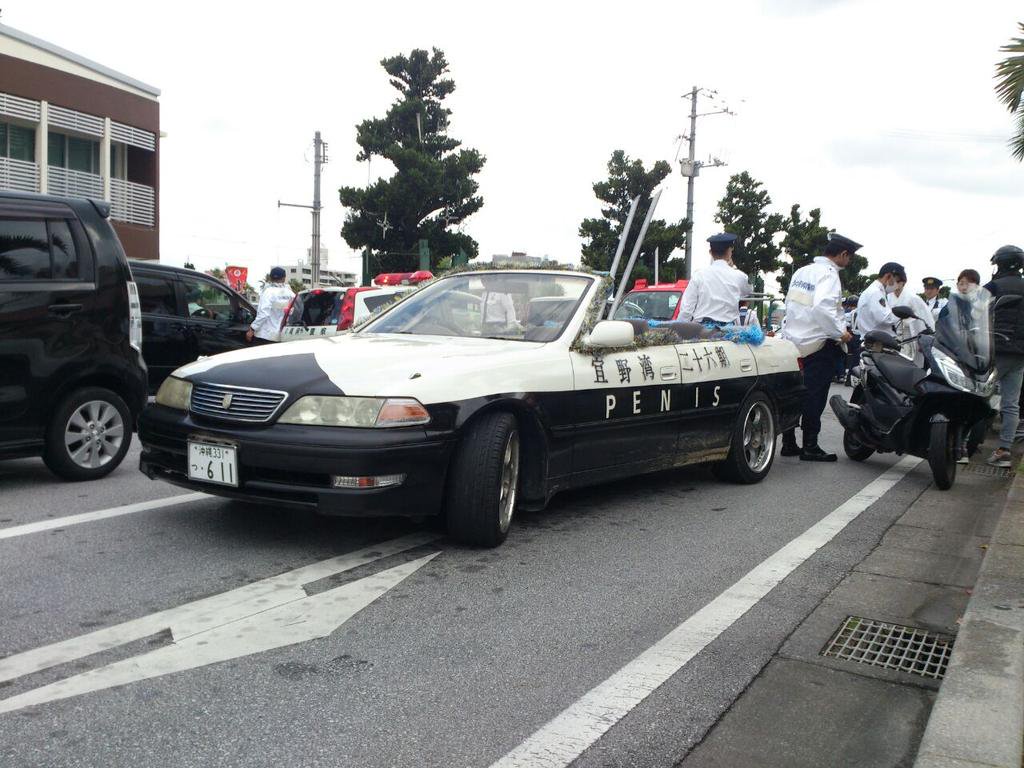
287	311
134	317
348	310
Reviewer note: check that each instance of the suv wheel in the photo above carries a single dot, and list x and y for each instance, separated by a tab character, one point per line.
88	435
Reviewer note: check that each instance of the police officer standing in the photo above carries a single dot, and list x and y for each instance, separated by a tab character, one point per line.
1007	286
874	312
931	296
713	294
270	311
814	323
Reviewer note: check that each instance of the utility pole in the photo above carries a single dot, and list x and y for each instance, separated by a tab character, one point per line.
691	166
319	159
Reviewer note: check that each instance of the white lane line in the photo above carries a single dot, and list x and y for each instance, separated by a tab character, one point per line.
569	734
102	514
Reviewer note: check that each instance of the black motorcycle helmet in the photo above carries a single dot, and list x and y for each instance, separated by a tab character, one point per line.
1008	258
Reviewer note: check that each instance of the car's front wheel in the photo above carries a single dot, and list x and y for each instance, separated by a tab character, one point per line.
483	483
752	449
88	435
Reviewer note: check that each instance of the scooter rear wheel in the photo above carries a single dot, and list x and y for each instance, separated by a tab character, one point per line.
855	450
940	454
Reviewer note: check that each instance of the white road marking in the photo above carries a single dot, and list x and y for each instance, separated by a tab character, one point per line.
266	614
102	514
575	729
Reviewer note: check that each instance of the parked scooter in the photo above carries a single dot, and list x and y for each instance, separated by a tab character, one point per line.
926	410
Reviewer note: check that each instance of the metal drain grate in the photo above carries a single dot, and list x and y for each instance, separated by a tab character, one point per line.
985	469
907	649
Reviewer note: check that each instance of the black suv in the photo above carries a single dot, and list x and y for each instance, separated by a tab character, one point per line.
72	379
186	315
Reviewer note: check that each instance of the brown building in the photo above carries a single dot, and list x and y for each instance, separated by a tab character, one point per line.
70	126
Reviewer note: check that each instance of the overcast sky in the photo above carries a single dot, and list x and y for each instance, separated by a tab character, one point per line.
881	113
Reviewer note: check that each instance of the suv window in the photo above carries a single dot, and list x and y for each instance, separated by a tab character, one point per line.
33	249
156	295
205	300
24	250
62	250
316	308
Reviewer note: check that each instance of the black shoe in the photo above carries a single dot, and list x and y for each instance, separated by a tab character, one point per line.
790	450
814	453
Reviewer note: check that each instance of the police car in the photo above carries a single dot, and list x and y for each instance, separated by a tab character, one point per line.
660	301
330	311
482	393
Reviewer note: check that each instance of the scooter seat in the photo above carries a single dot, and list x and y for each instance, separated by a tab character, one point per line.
884	339
903	374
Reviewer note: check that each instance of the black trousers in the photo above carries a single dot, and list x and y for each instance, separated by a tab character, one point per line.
819	370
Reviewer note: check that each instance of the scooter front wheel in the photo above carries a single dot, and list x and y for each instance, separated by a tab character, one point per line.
940	454
854	449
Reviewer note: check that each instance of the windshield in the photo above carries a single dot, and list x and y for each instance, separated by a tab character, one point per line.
648	305
963	329
495	305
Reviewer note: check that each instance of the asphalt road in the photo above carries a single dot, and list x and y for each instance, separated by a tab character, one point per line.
430	654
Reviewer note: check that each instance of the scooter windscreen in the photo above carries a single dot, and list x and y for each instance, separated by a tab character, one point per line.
964	332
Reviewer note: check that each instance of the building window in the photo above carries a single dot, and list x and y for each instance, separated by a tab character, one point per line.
73	153
17	142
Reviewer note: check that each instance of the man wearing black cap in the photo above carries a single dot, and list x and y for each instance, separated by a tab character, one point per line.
815	324
931	296
874	312
713	294
270	312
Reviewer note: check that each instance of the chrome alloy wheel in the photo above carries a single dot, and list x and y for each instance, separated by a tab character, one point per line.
509	481
758	437
93	434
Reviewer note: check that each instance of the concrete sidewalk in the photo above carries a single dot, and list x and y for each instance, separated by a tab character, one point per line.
806	709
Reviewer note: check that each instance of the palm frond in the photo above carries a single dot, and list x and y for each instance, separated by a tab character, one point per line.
1010	74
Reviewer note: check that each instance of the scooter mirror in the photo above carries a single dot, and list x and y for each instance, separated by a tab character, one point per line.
904	313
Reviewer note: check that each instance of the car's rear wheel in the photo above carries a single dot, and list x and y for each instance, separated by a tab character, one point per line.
88	435
483	483
752	449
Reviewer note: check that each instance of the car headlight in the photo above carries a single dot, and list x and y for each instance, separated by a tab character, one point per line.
174	393
366	412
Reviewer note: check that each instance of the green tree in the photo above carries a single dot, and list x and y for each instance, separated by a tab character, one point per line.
743	211
626	179
189	265
296	285
805	239
432	191
1010	89
216	272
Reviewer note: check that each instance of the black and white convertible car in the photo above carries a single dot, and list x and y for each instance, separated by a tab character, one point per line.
482	393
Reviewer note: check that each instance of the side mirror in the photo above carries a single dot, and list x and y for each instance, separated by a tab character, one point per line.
904	313
611	333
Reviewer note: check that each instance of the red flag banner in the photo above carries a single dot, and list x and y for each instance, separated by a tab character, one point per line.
237	277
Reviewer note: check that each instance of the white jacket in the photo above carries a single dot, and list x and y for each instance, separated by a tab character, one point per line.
270	311
814	311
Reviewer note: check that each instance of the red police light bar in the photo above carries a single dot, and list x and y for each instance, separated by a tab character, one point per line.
639	284
402	278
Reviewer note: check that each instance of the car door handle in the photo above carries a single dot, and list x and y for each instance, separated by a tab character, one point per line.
669	374
64	309
746	366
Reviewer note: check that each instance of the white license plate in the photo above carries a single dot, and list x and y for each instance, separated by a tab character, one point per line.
212	463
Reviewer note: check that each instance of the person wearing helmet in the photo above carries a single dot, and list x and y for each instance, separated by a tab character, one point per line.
1008	332
270	313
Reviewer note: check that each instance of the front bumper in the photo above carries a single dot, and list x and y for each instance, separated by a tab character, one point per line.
291	465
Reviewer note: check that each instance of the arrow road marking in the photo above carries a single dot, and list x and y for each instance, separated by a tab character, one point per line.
266	614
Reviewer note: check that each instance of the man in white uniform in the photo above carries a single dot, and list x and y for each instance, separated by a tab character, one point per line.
874	313
713	294
910	328
931	296
815	324
270	311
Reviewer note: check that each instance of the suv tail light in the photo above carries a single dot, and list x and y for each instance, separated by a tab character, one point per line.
348	307
134	317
